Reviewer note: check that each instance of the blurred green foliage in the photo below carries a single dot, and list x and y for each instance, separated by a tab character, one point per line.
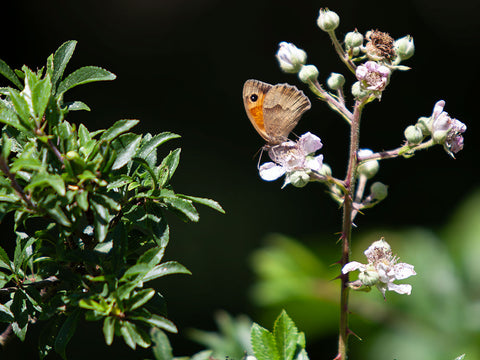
439	320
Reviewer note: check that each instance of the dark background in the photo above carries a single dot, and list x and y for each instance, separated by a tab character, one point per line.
181	65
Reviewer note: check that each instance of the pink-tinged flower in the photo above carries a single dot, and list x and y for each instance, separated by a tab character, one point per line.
445	130
382	269
290	58
294	159
373	76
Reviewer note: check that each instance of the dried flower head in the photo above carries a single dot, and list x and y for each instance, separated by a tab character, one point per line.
380	46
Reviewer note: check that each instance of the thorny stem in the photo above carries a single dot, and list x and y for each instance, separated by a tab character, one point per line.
349	183
337	105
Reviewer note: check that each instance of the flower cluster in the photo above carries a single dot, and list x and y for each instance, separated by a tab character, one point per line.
382	270
294	159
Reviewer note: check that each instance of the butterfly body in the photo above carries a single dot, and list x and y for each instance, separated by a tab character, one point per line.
274	110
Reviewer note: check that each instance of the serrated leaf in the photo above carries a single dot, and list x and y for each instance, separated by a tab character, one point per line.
61	58
162	349
167	268
263	344
43	180
66	332
118	128
29	163
126	152
6	71
41	96
84	75
204	201
286	335
109	329
151	145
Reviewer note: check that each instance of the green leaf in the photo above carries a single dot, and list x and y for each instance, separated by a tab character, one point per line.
101	220
42	180
6	71
59	216
150	146
10	118
152	256
140	298
183	205
61	58
41	95
118	128
263	344
82	199
286	335
127	334
158	321
170	162
125	152
46	339
202	355
207	202
5	314
26	164
77	106
21	106
84	75
20	312
139	336
109	329
4	259
66	332
162	349
167	268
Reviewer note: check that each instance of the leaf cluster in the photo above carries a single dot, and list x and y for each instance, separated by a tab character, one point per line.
88	208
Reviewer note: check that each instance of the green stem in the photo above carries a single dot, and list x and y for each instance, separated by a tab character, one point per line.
390	154
342	54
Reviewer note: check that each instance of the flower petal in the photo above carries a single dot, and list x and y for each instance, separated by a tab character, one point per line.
309	143
315	163
352	266
270	171
403	271
400	288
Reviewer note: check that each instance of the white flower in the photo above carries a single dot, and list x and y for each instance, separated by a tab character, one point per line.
382	269
294	160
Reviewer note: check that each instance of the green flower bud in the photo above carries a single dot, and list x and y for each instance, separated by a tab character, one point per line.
328	20
308	73
413	134
379	191
299	178
404	47
71	155
424	124
353	39
370	167
325	170
335	81
440	136
358	91
369	277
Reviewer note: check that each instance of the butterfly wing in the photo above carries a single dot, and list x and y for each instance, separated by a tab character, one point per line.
254	93
283	107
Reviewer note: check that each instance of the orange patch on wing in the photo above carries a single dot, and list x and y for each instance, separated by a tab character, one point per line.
257	114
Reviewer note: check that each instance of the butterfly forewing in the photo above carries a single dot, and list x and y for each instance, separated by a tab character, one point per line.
254	93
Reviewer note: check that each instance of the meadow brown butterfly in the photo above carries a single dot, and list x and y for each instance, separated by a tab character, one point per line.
274	110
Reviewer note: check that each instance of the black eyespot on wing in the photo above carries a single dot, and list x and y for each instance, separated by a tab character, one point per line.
254	97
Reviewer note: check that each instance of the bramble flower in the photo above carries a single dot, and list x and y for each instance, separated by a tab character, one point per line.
373	76
445	130
382	269
293	159
290	58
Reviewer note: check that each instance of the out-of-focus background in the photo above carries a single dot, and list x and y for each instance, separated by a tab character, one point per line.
181	67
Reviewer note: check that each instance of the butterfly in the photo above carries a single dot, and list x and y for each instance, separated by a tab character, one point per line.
274	110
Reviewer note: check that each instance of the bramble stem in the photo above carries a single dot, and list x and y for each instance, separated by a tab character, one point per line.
15	185
341	53
337	105
390	154
349	183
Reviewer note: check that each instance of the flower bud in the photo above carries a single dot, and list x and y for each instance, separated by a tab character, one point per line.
328	20
290	58
370	167
325	170
299	178
335	81
440	136
413	134
71	155
379	191
353	39
404	47
424	124
358	91
308	73
369	277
